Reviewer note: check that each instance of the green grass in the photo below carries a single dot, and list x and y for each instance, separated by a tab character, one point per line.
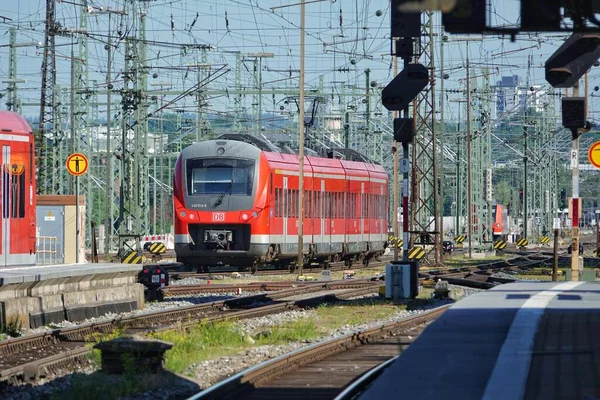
207	341
96	356
101	386
336	315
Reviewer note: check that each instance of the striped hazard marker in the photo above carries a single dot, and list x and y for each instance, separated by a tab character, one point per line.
131	257
522	242
499	244
416	253
157	248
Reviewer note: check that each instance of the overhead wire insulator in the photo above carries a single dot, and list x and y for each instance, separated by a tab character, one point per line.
226	21
172	24
194	22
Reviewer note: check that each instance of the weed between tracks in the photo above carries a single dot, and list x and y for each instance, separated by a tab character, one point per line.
207	341
211	341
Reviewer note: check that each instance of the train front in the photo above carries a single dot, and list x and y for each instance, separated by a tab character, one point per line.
219	197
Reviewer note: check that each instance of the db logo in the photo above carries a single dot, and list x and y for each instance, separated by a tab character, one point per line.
218	217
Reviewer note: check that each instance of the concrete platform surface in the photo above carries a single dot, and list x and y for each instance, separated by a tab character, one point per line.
14	275
526	340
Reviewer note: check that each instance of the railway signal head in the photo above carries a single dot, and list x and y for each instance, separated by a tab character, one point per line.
398	94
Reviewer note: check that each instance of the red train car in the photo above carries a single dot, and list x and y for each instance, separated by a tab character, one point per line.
18	232
237	205
500	217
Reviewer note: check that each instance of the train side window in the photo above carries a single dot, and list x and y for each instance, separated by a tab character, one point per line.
362	206
319	205
18	200
5	191
295	205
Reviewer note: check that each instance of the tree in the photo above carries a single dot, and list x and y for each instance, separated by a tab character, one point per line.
502	192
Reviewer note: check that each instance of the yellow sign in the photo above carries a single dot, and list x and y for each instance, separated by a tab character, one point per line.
15	169
594	154
77	164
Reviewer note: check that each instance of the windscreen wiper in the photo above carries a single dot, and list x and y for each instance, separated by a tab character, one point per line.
222	195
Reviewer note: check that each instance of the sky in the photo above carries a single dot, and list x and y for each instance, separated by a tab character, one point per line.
250	26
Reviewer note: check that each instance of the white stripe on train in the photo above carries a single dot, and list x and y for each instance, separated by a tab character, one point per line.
268	239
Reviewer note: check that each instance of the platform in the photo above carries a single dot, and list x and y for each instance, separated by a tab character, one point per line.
44	272
529	340
53	293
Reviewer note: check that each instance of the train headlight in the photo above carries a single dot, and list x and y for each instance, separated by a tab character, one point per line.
254	214
192	216
183	214
245	217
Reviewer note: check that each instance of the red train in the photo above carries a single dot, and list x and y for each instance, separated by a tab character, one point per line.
17	177
236	203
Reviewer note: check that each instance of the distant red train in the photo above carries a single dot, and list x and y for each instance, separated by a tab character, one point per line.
237	204
17	177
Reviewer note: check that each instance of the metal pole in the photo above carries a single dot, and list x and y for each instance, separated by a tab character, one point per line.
442	181
576	204
395	208
525	210
77	250
301	145
405	217
458	207
469	193
154	188
108	227
555	263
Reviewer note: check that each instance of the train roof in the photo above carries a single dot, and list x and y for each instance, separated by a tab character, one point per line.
13	122
259	142
265	145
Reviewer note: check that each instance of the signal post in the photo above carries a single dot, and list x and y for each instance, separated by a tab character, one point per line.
77	165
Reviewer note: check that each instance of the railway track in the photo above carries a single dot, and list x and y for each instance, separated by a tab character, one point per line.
179	290
313	269
325	369
32	357
480	276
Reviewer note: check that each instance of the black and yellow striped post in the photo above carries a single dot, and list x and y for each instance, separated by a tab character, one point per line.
544	239
499	245
416	253
395	242
459	240
522	242
158	248
131	257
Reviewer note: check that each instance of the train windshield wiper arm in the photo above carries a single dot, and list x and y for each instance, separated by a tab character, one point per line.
222	195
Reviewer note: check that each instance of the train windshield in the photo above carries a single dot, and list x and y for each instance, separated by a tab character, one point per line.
218	175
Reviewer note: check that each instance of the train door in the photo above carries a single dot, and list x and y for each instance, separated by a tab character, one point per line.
362	212
5	239
322	218
285	214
